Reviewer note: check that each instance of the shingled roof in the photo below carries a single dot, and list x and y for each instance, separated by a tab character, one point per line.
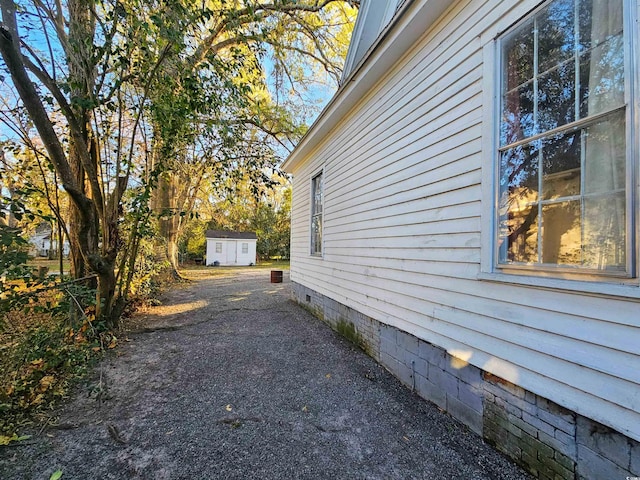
230	234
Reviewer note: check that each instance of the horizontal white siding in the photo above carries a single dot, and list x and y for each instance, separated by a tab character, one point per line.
402	229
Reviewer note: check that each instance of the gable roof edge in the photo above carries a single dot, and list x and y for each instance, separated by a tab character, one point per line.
371	20
230	235
412	21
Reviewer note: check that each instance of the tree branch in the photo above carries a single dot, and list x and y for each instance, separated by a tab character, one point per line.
74	126
13	60
247	16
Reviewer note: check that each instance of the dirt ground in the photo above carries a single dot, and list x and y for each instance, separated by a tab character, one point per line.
228	378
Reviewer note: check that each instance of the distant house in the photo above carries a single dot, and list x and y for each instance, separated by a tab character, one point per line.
469	202
230	248
42	244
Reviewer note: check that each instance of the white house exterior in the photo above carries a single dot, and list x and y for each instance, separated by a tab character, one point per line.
469	203
43	244
230	248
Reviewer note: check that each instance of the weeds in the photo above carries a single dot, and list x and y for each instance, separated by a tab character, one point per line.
48	333
41	354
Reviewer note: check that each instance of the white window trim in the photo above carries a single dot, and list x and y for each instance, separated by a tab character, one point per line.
578	282
311	200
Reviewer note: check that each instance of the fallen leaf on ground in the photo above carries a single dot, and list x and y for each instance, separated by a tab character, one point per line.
6	440
228	408
37	363
45	383
328	375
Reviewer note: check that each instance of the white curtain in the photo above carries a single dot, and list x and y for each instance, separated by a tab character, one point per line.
605	145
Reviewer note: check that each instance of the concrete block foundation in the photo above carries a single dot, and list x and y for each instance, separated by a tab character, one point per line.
549	441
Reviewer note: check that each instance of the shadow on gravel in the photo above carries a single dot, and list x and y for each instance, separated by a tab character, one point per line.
230	379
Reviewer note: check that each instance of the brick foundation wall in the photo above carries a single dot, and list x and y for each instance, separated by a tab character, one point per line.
551	442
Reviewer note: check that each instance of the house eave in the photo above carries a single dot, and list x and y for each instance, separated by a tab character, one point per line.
411	22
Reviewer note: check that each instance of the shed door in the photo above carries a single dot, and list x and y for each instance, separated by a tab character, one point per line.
232	252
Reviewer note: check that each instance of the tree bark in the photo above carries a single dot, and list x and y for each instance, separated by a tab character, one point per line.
78	170
165	204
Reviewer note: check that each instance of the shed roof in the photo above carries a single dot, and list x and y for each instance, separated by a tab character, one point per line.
230	234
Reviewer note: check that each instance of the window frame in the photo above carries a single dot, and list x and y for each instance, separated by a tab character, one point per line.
244	248
572	279
313	215
218	247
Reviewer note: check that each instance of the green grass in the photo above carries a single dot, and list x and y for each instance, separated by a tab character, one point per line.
274	264
263	265
194	272
52	265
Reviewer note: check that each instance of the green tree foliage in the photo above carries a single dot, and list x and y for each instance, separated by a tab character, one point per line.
140	106
29	178
13	265
267	212
220	93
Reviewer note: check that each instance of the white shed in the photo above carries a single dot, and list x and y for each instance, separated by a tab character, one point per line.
231	248
469	202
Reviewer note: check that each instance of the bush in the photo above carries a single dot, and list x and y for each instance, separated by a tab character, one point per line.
15	275
41	350
40	354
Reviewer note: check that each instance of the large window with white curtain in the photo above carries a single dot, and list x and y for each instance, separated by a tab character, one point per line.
565	193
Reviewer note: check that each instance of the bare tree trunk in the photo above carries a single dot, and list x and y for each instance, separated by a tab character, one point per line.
84	220
172	250
60	237
165	203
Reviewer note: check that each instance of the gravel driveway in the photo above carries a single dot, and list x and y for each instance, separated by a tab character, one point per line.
230	379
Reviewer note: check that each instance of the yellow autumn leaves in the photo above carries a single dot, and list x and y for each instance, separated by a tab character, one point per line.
7	439
36	365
